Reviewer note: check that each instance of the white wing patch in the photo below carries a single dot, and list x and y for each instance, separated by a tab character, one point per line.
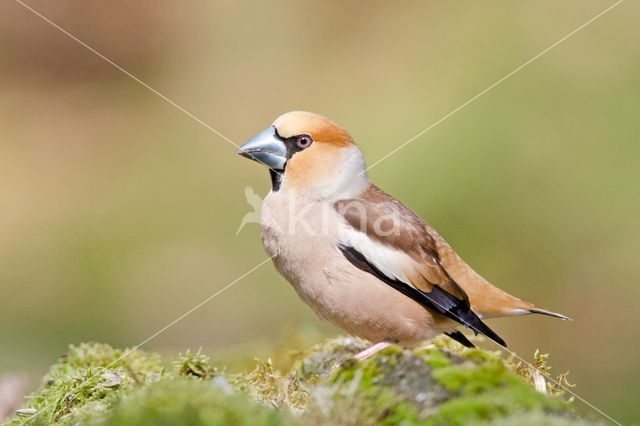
391	262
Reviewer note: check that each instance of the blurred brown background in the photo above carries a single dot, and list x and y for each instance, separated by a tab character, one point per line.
119	212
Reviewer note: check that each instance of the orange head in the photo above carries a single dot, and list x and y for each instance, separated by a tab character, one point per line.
310	156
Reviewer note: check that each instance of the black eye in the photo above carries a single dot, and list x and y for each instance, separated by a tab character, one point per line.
303	141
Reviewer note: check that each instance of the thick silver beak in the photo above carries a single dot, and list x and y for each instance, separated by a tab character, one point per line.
265	148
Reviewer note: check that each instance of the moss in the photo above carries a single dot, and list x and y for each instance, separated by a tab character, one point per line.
441	383
437	358
90	377
540	365
266	384
198	365
174	401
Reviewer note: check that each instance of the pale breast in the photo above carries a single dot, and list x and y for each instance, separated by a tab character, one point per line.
304	240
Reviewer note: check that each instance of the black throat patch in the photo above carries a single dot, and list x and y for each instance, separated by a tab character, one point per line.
276	179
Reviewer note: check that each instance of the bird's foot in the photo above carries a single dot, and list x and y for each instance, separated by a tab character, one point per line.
367	353
372	350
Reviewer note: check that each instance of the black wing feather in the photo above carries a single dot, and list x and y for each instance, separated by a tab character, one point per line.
437	299
460	338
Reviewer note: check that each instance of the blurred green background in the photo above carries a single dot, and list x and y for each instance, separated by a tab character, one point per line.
119	212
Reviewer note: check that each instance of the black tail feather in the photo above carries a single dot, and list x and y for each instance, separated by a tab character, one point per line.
460	338
460	311
477	326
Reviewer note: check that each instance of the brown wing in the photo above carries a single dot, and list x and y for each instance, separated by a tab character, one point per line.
412	266
385	220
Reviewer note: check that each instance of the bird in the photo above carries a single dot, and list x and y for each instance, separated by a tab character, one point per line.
357	256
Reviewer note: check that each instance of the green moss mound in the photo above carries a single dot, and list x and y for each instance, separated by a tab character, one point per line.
441	383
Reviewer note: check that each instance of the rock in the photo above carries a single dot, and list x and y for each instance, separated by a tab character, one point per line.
441	383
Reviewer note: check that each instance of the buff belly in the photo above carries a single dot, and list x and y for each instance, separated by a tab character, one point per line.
306	255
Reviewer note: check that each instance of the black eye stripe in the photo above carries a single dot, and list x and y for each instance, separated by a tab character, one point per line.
292	143
292	148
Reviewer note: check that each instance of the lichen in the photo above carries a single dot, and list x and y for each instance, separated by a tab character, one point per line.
440	383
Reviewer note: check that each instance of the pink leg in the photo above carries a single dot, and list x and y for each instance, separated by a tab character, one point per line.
372	350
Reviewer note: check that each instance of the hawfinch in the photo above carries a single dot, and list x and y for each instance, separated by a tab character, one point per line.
360	258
